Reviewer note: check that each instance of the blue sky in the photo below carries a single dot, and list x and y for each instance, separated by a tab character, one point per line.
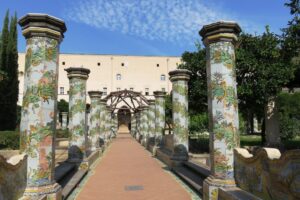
146	27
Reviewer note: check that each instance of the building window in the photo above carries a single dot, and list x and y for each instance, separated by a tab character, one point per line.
157	65
63	63
98	64
162	77
163	89
131	89
146	91
118	89
118	77
61	90
105	91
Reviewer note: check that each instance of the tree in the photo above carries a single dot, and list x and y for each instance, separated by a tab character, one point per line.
291	41
9	86
197	85
250	103
262	71
63	106
4	42
12	89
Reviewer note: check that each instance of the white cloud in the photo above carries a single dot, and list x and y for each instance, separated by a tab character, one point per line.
176	21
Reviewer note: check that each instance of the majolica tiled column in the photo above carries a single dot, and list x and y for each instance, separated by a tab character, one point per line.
133	125
151	121
102	122
43	35
144	124
64	120
94	127
58	126
77	113
179	79
138	124
220	39
114	125
88	144
108	123
159	116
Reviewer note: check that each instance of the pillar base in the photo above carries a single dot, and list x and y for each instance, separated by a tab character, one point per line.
144	141
211	187
90	160
52	191
179	158
140	139
74	160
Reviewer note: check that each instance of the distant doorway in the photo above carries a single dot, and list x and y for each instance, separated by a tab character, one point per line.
124	119
123	103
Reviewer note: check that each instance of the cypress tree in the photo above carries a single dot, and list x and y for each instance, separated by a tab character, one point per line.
12	81
9	66
3	68
4	42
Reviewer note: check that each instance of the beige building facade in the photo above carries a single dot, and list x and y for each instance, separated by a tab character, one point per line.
113	72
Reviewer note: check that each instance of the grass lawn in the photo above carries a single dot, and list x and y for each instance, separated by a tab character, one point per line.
198	144
250	140
11	139
201	144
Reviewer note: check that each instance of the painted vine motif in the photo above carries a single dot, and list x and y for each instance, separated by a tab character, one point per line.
151	120
224	130
144	123
224	107
40	49
222	92
222	164
77	107
180	116
38	109
223	53
102	120
94	131
159	115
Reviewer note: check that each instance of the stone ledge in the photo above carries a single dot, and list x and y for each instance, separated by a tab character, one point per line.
73	182
235	193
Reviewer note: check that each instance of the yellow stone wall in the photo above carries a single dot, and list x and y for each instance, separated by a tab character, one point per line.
138	72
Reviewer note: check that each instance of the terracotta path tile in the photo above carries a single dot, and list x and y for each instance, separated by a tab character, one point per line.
127	171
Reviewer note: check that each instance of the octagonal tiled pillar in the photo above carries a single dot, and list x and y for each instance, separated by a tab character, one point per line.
64	120
179	79
160	116
77	113
43	35
220	39
94	127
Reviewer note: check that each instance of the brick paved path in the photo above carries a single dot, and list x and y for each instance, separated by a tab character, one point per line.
128	171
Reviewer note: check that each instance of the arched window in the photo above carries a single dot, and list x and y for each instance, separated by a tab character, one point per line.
162	77
118	77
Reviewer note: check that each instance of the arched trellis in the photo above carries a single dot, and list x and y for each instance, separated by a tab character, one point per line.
133	100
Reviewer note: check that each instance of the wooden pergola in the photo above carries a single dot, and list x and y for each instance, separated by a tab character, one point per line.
132	99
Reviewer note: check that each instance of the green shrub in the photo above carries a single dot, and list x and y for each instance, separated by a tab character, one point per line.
9	139
242	125
199	145
198	123
289	115
250	140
